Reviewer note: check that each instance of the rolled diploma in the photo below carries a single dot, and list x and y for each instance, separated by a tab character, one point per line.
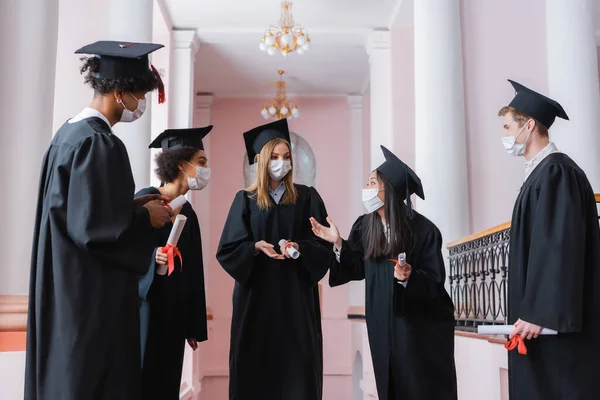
173	239
176	230
178	202
506	330
290	250
402	259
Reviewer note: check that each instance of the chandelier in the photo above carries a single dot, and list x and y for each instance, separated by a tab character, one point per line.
286	38
279	108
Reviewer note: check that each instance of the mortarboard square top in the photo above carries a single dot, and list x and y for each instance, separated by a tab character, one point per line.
537	106
172	139
256	138
401	176
121	59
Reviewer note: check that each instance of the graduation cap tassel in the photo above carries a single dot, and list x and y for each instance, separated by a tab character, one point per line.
161	86
409	210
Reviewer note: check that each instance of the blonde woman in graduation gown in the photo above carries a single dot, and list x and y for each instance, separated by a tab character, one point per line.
276	340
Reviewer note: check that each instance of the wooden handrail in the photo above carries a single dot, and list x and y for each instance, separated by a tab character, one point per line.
479	235
491	231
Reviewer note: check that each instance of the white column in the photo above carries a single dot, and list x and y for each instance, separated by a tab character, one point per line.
131	21
28	37
573	81
201	199
355	182
380	59
440	144
185	45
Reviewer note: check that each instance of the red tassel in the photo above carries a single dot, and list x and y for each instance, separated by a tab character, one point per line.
161	86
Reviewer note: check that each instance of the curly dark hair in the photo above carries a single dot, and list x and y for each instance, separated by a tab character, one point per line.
167	162
145	83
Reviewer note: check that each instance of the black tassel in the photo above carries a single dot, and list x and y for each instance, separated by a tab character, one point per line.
409	210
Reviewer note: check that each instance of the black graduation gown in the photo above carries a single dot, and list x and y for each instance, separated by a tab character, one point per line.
177	310
276	349
90	244
554	282
411	330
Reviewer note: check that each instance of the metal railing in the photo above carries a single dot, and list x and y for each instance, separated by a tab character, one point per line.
478	279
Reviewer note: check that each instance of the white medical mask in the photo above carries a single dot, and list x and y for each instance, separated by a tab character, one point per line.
130	116
513	148
371	200
278	169
200	181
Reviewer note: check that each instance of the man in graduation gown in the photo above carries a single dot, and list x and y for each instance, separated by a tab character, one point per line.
91	241
554	261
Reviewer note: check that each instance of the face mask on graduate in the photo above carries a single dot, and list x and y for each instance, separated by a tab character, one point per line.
130	116
201	179
371	200
513	148
278	169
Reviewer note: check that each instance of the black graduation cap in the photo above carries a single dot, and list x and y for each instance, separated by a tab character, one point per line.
537	106
124	60
401	176
256	138
176	138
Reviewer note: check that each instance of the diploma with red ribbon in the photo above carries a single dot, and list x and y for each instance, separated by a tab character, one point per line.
171	249
516	342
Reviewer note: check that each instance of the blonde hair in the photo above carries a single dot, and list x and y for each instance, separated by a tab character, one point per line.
260	188
522	118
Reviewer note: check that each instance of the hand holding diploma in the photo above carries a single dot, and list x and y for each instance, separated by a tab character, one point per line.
289	249
142	200
521	330
171	249
402	269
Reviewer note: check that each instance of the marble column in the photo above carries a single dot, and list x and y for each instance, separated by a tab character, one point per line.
28	42
380	60
131	21
573	81
440	143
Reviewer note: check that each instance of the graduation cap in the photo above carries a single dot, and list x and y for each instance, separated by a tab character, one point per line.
256	138
123	60
172	139
537	106
401	176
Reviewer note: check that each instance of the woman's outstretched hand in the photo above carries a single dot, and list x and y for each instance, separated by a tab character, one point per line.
330	234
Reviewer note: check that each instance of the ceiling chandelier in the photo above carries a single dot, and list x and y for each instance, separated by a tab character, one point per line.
279	108
286	38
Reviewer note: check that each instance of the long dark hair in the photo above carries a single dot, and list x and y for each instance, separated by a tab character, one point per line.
400	235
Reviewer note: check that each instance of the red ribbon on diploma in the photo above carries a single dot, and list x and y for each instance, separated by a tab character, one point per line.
394	260
516	341
171	252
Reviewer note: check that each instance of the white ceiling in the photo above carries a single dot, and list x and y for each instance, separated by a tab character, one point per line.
230	64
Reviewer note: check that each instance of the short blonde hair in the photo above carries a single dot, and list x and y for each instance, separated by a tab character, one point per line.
522	118
260	188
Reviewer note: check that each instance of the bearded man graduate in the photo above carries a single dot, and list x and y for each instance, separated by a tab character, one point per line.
554	261
92	240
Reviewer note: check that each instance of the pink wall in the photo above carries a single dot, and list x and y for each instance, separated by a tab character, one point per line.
497	44
324	123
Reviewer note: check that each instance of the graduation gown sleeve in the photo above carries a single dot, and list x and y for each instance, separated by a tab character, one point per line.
236	252
101	218
195	326
314	252
553	296
351	266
